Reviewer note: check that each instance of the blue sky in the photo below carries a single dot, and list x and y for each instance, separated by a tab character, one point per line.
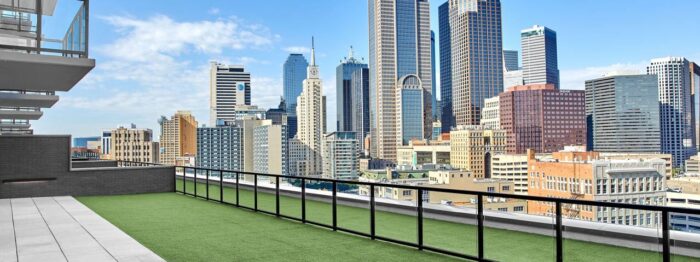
153	56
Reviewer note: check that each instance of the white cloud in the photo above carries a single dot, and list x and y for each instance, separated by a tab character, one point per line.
155	67
297	49
265	91
576	78
214	11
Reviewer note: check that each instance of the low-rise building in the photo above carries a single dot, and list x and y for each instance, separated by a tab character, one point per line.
692	165
511	168
341	153
465	180
420	152
134	144
686	184
645	156
413	177
684	222
585	176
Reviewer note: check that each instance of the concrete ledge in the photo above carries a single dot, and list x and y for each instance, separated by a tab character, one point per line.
93	163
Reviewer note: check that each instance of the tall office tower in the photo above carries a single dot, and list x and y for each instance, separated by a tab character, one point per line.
344	95
694	87
229	87
446	116
220	147
477	56
542	118
490	116
399	46
178	137
310	112
512	78
410	109
677	136
278	115
270	150
539	45
434	104
293	74
471	148
106	144
437	130
622	114
510	60
134	144
341	155
360	105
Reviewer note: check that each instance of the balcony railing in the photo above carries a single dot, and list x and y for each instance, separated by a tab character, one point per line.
216	177
21	29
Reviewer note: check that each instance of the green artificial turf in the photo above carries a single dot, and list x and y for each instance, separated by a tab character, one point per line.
182	228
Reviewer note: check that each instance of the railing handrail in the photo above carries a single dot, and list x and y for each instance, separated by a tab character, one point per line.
473	192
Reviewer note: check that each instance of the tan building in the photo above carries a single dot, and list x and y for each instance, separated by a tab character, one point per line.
645	156
692	165
471	148
420	152
511	168
585	176
397	177
687	184
311	121
465	180
134	144
270	148
178	137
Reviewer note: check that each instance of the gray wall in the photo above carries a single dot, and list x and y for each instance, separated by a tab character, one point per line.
93	163
36	165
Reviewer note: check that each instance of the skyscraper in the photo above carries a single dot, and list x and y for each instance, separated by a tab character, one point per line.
360	105
270	150
434	103
178	137
399	37
344	95
539	45
694	88
410	109
229	86
134	144
477	56
510	60
293	74
446	116
677	137
310	115
622	114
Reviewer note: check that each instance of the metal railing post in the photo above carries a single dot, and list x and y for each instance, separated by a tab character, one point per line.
184	180
195	182
237	191
558	226
480	226
335	205
207	184
666	238
221	186
419	209
303	200
371	212
255	192
277	196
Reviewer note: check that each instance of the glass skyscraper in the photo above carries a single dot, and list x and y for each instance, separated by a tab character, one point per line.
477	56
399	37
622	114
410	109
447	118
510	60
539	45
344	94
360	105
434	103
293	74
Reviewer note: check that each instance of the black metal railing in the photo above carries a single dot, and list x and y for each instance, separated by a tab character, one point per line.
181	172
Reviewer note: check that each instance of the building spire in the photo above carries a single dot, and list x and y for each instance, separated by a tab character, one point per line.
351	53
313	52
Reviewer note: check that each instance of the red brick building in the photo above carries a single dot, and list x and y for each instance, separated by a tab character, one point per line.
540	117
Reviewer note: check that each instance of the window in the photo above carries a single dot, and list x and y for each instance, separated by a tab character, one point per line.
491	189
518	209
503	209
407	192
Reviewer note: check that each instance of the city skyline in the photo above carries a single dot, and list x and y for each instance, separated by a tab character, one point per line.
174	75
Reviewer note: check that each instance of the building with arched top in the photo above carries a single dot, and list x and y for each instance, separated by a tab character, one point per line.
410	108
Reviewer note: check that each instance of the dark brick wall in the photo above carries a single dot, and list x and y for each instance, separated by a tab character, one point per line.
36	166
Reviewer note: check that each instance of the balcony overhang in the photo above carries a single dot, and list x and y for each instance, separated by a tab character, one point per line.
18	114
20	71
15	126
27	100
47	6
